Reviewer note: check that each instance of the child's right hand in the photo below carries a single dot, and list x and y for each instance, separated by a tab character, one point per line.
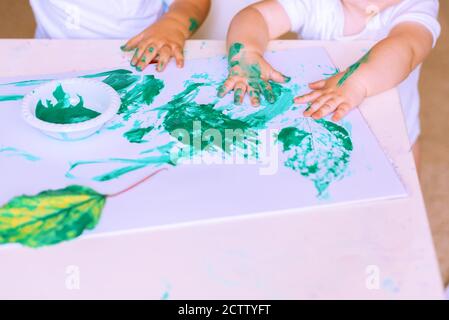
250	73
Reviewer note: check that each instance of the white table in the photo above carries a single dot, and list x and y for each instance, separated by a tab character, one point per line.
373	250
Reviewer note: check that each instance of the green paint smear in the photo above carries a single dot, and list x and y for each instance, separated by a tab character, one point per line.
137	135
26	83
63	112
194	25
181	114
353	69
319	150
159	156
135	91
107	73
13	152
11	98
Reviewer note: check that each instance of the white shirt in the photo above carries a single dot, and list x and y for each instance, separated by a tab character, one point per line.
95	19
325	20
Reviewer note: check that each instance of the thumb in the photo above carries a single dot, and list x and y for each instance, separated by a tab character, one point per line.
276	76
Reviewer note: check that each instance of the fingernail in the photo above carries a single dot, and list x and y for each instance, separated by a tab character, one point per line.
287	79
138	68
220	91
124	48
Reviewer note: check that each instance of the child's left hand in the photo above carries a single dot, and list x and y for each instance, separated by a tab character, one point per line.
328	96
160	42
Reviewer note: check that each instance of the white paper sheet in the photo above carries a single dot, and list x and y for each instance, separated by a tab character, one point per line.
31	162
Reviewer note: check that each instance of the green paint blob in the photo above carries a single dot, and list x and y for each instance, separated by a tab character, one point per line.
353	69
63	112
194	25
136	135
190	123
11	98
318	150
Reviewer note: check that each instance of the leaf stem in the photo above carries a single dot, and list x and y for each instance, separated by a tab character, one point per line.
136	184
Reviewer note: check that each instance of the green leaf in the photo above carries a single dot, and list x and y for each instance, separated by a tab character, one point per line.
51	216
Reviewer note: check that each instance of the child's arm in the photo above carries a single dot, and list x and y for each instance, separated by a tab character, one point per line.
248	38
385	66
166	38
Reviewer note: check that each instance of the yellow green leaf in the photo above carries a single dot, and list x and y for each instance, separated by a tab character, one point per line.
51	216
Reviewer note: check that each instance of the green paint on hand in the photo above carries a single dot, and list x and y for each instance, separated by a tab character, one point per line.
63	112
11	98
194	25
151	49
318	150
353	69
50	217
234	51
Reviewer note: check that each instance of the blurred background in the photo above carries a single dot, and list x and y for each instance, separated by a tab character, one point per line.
16	21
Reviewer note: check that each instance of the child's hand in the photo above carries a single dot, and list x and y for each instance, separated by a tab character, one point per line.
160	42
336	95
250	73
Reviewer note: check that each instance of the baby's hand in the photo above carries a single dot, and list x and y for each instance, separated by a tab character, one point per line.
338	94
250	74
159	43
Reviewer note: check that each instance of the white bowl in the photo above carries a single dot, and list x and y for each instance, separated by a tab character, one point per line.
97	96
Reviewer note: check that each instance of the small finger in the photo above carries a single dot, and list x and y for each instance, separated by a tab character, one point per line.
317	104
308	97
318	85
276	76
239	93
227	86
326	109
341	112
267	91
132	43
254	96
179	56
165	55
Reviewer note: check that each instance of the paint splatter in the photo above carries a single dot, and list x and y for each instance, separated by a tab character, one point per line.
319	150
63	112
13	152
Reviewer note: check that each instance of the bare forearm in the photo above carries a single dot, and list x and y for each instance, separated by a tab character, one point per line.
189	14
250	29
390	62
